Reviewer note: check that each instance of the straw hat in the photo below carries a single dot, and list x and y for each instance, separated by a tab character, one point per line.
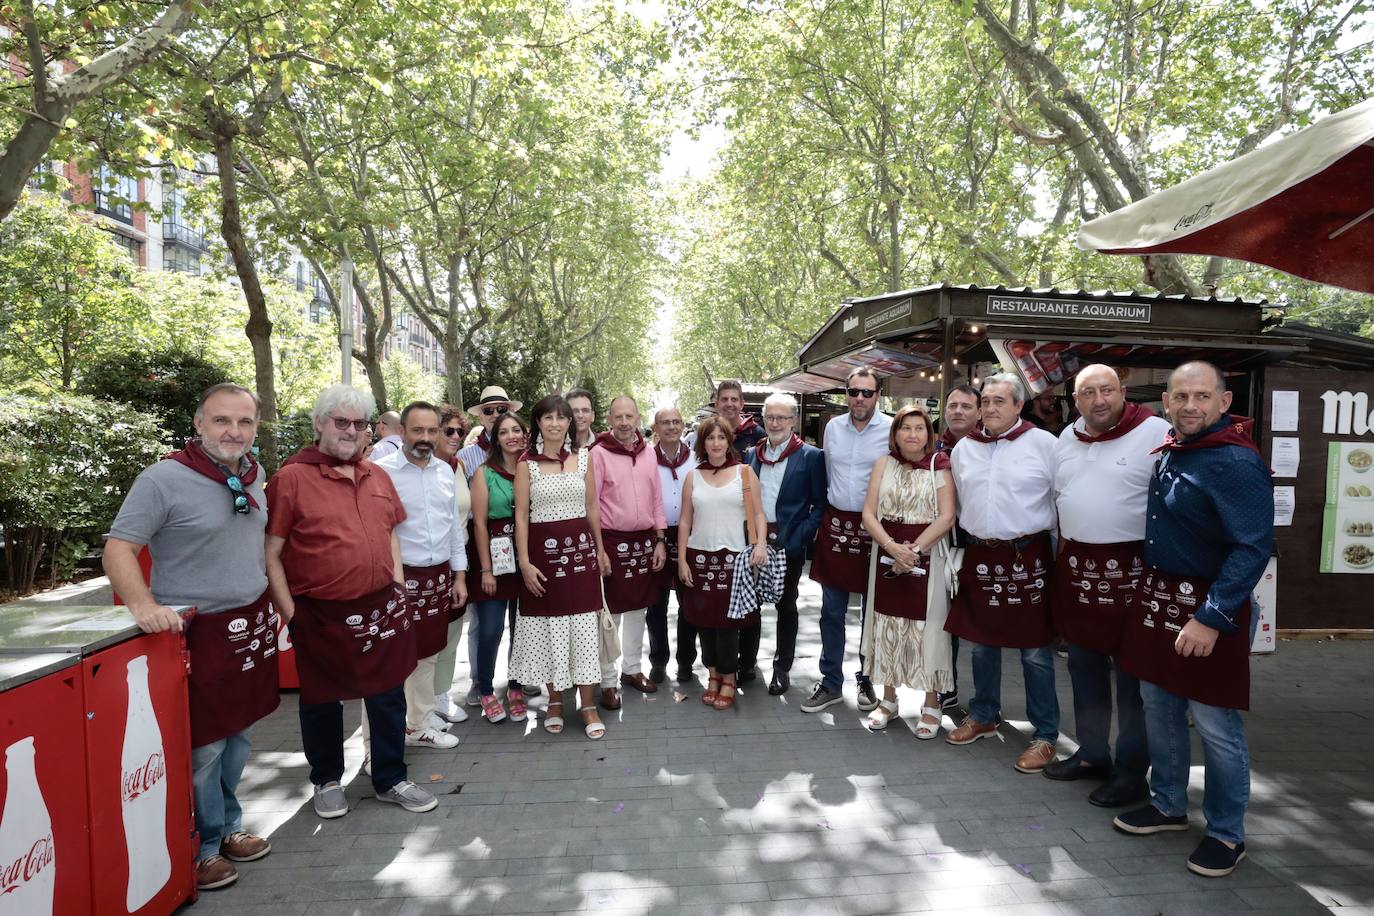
493	394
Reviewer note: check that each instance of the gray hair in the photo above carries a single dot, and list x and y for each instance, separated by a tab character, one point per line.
781	399
1018	388
336	396
227	388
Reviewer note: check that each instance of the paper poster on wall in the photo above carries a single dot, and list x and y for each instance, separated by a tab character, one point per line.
1283	418
1285	499
1348	518
1284	457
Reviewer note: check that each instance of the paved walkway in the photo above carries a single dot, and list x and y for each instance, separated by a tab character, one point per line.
763	809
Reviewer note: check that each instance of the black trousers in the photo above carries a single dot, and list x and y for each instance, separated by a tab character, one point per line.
656	622
720	649
322	738
787	622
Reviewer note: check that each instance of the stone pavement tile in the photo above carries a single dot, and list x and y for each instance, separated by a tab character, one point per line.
557	865
1187	903
355	908
1046	891
1292	899
810	888
723	894
960	898
208	903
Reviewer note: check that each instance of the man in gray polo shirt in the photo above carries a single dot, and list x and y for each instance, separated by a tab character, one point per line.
202	514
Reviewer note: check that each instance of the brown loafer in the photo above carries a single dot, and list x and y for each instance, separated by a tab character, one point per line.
1035	758
244	847
639	682
610	698
970	731
215	872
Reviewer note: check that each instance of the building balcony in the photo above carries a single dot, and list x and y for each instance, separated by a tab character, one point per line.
184	235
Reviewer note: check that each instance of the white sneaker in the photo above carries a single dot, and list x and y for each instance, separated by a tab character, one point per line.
438	724
449	711
428	737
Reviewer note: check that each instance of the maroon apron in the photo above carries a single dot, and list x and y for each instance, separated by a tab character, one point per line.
1095	588
348	650
1004	595
566	554
1168	601
707	603
667	577
429	591
233	680
902	596
507	586
632	584
840	559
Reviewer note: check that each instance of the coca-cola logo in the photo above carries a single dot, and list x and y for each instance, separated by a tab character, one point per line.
143	778
22	870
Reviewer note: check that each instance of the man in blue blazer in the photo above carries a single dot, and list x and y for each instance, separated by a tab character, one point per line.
792	484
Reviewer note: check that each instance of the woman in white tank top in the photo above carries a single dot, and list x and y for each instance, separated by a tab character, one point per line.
722	516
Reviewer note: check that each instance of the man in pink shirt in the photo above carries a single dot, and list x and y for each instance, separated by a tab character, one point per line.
633	529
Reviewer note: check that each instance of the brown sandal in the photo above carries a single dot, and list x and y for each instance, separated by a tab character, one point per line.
709	697
723	700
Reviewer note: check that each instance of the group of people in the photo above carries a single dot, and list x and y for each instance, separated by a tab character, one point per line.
1137	542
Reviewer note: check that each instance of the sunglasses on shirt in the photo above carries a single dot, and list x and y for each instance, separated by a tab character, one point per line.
240	498
860	392
496	411
360	425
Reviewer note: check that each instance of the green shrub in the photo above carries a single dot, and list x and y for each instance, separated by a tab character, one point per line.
66	462
164	383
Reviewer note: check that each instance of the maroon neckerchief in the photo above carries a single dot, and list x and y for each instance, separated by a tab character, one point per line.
484	441
747	423
1236	431
453	462
977	434
793	445
947	441
311	454
1131	417
684	454
195	458
500	469
939	459
610	443
563	454
706	467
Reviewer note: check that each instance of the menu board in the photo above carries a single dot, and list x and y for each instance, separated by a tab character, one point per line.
1348	520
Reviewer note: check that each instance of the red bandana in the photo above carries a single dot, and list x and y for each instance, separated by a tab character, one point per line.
684	454
610	443
500	469
311	454
793	445
946	441
939	459
1131	417
195	458
563	454
747	423
484	441
979	435
706	467
1237	431
453	462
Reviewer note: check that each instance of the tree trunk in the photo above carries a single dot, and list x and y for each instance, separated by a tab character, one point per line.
259	326
453	361
26	151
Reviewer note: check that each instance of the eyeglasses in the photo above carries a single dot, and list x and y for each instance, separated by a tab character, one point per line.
774	418
860	392
240	498
360	425
495	411
455	431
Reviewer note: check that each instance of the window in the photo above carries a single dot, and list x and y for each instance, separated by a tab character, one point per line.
180	258
131	245
113	194
175	227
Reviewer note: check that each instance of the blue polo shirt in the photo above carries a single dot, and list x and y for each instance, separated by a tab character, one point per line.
1211	515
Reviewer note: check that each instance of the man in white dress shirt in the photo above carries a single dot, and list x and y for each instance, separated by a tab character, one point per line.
1102	482
388	434
674	460
1004	474
433	554
852	444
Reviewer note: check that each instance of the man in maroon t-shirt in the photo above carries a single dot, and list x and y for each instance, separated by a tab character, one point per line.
334	570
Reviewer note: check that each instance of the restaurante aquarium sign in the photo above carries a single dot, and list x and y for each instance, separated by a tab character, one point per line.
1138	312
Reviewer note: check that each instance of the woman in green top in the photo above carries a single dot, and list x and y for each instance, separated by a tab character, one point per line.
493	518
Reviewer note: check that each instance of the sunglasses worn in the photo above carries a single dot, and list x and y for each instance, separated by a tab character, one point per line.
240	498
496	411
860	392
360	425
455	431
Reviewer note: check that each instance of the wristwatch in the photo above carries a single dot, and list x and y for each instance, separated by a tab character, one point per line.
660	539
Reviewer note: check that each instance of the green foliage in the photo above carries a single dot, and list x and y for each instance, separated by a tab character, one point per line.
406	381
66	462
163	383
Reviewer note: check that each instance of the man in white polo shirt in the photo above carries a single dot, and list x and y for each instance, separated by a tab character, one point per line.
1102	482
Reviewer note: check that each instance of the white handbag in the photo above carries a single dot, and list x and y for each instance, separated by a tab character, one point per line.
502	556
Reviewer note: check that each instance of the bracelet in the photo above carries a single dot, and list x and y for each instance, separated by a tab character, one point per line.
486	569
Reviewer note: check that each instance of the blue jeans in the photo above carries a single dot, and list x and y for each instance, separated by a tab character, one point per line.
1225	756
834	606
1042	703
215	771
490	619
1091	674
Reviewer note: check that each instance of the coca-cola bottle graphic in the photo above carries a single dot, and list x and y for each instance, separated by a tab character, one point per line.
143	781
28	858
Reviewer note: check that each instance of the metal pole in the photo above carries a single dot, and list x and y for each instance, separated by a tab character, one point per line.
346	318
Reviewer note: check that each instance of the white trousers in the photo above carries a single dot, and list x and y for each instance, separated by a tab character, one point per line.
631	624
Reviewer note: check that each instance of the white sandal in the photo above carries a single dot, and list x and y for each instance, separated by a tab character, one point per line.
882	714
594	730
927	730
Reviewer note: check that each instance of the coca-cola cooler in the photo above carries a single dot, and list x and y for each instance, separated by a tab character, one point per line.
134	724
45	864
